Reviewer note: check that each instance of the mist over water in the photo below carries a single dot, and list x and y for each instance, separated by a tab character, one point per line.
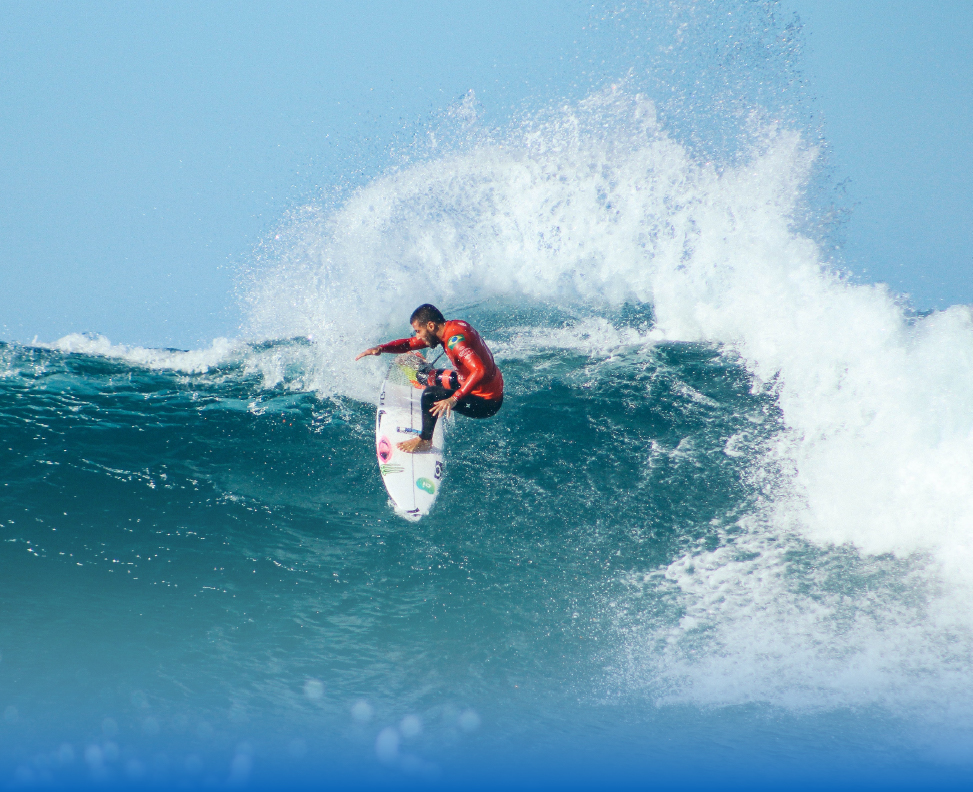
725	512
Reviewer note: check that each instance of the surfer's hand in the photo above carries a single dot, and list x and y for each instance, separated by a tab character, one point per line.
444	407
372	351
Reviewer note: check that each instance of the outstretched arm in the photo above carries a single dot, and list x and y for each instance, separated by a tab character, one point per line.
395	347
372	351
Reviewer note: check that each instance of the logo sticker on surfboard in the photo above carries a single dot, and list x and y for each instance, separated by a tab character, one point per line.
426	485
384	450
454	340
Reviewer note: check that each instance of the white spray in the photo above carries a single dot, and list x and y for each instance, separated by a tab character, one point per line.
596	204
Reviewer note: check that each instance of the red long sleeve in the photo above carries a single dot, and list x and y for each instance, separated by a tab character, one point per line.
403	345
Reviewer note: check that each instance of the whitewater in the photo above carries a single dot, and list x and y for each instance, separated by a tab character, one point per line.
597	208
724	520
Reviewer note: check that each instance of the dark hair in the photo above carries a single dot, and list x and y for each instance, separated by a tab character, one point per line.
427	313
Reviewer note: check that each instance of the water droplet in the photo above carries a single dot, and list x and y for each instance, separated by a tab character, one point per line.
362	711
411	726
240	768
93	756
134	769
314	689
387	745
469	721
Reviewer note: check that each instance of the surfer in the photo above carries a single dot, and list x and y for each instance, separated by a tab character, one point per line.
474	387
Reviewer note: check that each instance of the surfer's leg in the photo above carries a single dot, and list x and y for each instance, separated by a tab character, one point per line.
430	396
470	406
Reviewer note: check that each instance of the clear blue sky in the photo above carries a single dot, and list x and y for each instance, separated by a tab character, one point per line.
894	81
144	148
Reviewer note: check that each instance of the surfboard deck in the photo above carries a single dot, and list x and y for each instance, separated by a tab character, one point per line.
412	480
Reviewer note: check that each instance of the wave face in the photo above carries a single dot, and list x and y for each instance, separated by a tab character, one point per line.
204	582
723	520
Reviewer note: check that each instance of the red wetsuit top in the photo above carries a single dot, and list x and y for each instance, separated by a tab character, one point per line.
470	356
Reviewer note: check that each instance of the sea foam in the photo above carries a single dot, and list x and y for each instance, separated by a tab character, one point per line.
595	204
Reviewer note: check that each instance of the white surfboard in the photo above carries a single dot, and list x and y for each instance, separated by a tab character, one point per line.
412	480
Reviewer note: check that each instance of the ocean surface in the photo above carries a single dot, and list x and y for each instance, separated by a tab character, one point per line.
720	533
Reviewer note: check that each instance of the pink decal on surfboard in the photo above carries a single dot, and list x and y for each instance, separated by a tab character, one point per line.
384	450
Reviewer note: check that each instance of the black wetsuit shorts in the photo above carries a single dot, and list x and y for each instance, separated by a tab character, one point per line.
471	406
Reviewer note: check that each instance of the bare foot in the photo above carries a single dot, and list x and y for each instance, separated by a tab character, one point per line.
415	445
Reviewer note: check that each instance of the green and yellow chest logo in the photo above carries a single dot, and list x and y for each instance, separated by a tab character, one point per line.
454	340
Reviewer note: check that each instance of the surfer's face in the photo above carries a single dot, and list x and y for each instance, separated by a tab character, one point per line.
427	332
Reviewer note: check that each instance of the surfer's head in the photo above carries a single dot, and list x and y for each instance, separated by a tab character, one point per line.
426	320
426	313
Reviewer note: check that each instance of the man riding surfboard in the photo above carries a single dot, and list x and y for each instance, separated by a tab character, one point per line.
473	387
